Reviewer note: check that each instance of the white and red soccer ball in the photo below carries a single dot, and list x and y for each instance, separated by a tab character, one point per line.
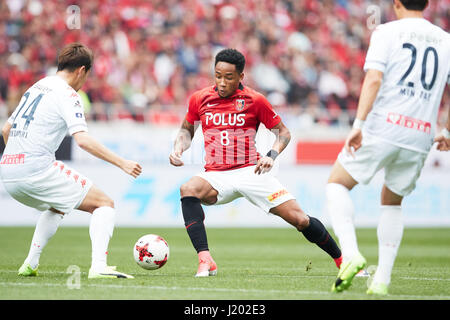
151	252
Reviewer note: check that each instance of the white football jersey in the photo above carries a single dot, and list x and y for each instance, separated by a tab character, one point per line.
414	56
46	112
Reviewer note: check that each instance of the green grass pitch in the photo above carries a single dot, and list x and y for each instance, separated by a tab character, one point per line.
253	264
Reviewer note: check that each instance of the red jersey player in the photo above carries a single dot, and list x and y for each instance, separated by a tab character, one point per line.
230	124
230	114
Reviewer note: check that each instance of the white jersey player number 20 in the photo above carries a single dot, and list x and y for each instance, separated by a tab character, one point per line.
413	55
426	84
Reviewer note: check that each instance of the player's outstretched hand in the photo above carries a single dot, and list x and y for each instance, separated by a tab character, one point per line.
443	144
175	159
353	141
132	168
264	165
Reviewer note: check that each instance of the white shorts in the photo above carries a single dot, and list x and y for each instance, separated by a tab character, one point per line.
402	166
59	187
264	190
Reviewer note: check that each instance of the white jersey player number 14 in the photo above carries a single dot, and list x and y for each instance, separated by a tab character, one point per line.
27	114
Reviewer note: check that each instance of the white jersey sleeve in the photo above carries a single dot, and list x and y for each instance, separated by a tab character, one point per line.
378	53
72	111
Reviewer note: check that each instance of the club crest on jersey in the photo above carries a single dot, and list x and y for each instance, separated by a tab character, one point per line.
239	104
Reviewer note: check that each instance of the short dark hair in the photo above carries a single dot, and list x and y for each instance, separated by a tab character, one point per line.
416	5
231	56
75	55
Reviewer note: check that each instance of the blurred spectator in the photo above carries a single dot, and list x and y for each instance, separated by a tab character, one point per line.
306	55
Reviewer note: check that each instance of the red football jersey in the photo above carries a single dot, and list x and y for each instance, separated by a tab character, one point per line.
230	124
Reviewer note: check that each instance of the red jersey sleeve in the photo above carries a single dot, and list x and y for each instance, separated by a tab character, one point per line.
266	114
192	112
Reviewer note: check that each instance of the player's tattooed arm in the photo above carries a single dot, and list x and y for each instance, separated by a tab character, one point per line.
184	136
182	142
283	137
186	125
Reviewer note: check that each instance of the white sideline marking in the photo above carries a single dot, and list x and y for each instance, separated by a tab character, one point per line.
24	284
269	276
32	284
424	279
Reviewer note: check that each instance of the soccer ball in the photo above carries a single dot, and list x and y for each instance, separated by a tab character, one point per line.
151	252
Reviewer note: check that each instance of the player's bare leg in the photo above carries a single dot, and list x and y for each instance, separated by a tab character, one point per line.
46	227
193	193
389	233
94	199
199	188
311	227
101	230
341	176
341	211
291	212
389	198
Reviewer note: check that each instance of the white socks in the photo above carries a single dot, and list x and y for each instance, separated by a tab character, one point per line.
101	230
46	227
390	233
341	211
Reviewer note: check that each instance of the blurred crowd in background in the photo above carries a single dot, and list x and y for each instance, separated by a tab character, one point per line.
305	55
